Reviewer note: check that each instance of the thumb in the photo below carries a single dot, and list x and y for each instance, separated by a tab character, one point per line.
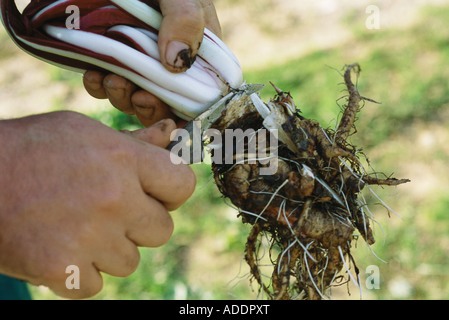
181	33
158	134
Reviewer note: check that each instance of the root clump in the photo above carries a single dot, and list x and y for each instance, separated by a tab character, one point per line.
309	208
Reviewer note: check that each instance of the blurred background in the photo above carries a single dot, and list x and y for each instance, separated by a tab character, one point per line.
302	47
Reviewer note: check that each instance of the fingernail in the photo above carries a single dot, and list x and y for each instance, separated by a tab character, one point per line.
162	125
88	76
109	83
145	112
116	93
92	80
179	55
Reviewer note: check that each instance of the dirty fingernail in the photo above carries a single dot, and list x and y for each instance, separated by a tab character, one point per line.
162	125
145	112
93	80
115	93
179	55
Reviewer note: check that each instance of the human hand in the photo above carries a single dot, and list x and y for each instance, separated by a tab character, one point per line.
75	192
181	29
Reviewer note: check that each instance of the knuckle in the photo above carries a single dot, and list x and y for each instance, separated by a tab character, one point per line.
60	280
110	199
166	233
84	292
131	260
191	10
190	16
186	186
89	288
190	182
207	5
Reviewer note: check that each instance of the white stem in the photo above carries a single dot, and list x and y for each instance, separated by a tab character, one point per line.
211	49
189	93
141	11
148	67
260	105
145	42
221	44
223	63
49	7
149	34
150	47
185	108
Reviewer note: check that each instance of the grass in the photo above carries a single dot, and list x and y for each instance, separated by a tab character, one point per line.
402	69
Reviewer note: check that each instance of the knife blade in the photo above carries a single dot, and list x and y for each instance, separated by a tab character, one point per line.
192	132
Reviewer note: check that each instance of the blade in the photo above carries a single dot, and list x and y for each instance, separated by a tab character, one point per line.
191	136
251	88
211	115
208	117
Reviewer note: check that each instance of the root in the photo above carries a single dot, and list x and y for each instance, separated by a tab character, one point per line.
349	115
251	256
310	207
385	182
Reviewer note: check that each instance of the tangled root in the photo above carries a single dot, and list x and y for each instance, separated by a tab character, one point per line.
309	208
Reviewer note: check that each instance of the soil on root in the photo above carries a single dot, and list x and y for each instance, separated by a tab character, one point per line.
309	208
